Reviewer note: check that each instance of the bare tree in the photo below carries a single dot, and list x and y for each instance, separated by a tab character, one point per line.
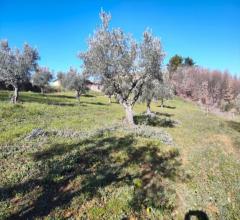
75	81
42	78
212	88
114	57
16	66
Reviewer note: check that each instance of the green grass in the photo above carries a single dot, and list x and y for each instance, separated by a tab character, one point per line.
114	174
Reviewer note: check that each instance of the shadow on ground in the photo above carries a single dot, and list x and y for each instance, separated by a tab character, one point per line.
58	100
82	169
164	114
167	106
234	125
154	120
196	214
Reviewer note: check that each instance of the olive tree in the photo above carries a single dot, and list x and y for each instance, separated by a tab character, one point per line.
164	91
108	90
157	89
42	78
73	80
118	61
149	93
151	57
16	66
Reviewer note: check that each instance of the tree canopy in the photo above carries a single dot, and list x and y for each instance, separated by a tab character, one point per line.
16	66
116	59
73	80
42	77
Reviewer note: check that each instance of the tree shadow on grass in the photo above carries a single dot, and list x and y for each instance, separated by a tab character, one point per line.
234	125
89	95
154	121
5	95
47	99
61	96
69	96
164	114
94	103
58	100
83	168
167	106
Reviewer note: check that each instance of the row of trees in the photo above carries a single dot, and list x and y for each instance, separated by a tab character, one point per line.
211	88
20	67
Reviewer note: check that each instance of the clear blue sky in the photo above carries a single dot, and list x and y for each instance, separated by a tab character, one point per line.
207	31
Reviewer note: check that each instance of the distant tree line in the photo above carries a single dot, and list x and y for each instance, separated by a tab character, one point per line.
214	89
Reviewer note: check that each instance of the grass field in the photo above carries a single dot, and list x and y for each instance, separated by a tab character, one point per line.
86	165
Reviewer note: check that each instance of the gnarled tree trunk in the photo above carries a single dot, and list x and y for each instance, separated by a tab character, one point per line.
78	94
42	90
162	102
129	114
109	99
14	98
149	112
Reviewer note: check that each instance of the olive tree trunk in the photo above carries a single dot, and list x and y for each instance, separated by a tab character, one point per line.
162	102
14	98
149	112
42	90
78	94
129	114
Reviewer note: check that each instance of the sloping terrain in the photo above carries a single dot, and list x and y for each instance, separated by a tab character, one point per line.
62	159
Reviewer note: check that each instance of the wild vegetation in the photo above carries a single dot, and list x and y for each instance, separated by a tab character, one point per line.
213	89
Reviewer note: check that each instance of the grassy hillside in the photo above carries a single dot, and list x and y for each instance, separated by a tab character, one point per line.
84	164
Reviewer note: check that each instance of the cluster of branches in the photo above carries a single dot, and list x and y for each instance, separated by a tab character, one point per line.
211	88
73	80
16	66
127	69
